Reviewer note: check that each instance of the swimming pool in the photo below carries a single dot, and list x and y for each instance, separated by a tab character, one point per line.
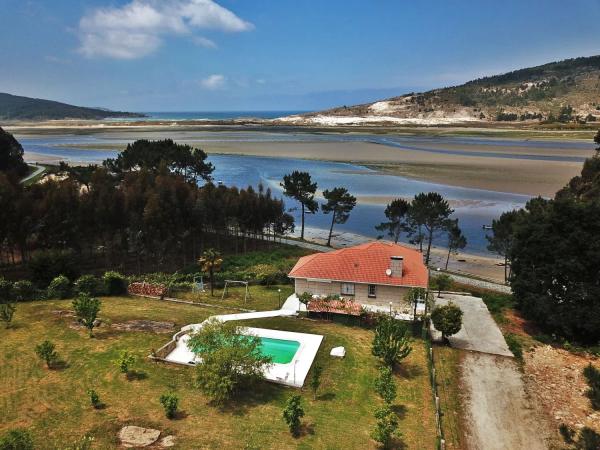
281	351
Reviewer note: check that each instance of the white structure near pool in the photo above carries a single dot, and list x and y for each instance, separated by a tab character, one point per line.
292	353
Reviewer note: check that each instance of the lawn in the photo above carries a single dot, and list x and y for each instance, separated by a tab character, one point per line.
261	298
53	405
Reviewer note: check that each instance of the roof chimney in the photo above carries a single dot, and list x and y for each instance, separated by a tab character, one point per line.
396	264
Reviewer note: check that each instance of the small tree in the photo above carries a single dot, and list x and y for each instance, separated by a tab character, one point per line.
46	352
443	283
7	311
396	212
210	262
231	358
592	375
315	380
502	239
17	439
447	319
293	412
386	427
23	291
385	385
88	284
86	309
299	186
339	203
456	239
94	398
170	402
588	439
304	298
391	342
125	361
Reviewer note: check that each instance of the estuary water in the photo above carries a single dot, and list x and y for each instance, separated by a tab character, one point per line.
474	208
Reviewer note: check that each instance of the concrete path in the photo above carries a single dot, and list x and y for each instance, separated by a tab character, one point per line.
479	331
37	171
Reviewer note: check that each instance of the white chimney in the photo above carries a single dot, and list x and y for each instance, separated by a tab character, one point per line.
396	264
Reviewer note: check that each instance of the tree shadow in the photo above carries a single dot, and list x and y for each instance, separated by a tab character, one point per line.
305	429
136	375
257	394
59	365
408	370
180	415
400	411
397	443
100	406
327	396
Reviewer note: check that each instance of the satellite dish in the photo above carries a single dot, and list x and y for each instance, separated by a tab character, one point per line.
388	272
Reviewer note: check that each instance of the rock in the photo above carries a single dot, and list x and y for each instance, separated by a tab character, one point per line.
167	441
133	436
340	352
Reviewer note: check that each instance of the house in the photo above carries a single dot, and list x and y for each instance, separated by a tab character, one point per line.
376	273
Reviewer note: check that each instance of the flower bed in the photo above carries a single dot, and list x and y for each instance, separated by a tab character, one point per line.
149	289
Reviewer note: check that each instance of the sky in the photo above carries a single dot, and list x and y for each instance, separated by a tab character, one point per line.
250	55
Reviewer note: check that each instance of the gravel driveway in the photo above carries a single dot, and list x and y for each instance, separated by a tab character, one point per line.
498	413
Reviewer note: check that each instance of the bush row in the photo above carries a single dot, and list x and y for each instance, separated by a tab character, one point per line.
111	283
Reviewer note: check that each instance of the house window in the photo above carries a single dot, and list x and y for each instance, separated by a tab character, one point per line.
347	288
372	291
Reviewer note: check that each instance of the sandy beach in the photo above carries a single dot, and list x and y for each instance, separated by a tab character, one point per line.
522	176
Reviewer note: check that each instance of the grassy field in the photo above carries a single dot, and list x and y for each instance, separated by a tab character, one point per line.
261	298
53	405
447	364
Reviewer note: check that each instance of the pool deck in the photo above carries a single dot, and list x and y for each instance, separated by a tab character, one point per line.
292	374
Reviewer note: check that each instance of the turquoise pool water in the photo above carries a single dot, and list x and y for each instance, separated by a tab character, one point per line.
281	351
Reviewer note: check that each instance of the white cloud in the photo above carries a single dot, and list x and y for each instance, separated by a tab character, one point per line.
137	28
203	42
213	82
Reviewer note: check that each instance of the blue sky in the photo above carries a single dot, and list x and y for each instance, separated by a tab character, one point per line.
205	55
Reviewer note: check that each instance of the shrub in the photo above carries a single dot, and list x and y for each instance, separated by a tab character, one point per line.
293	412
94	398
447	319
588	440
86	309
17	439
7	311
45	265
386	426
385	385
60	287
125	361
391	342
170	403
24	291
46	352
567	433
592	375
114	283
88	284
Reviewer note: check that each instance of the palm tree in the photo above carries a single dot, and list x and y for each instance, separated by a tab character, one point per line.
211	261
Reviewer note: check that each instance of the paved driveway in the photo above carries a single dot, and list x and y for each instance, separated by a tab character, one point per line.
479	331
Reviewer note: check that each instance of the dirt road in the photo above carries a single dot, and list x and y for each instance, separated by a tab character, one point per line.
499	415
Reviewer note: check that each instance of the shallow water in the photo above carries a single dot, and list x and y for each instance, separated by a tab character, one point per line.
473	207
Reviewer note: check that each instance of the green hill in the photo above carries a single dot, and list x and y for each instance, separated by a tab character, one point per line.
14	107
564	91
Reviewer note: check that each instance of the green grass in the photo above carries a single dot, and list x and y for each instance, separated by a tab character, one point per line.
262	298
447	364
54	406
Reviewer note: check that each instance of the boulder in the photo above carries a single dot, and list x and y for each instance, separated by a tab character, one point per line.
132	436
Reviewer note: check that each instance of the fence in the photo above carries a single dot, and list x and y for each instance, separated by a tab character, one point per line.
436	398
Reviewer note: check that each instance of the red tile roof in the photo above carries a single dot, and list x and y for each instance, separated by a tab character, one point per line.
365	263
